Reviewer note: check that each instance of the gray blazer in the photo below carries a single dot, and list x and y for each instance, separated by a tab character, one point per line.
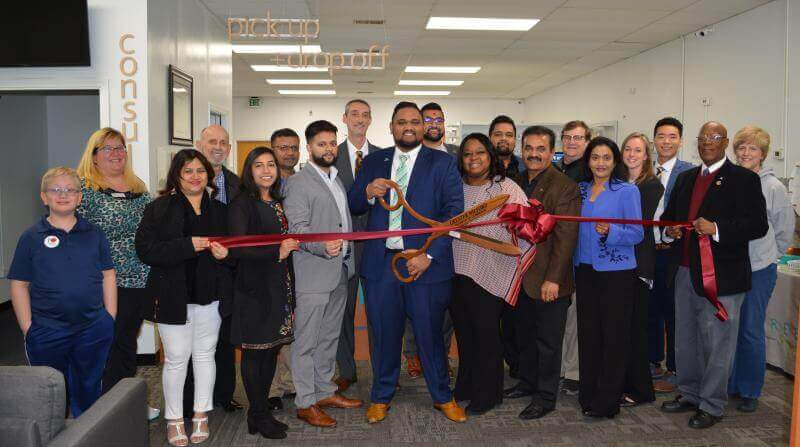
311	208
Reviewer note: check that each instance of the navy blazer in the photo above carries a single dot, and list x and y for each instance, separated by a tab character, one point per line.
679	167
434	190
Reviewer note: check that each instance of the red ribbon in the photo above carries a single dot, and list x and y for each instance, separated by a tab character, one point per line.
529	222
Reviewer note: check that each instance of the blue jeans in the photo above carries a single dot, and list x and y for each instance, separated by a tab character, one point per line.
747	374
80	355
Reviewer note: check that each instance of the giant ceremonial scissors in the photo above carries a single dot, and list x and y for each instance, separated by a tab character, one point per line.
464	218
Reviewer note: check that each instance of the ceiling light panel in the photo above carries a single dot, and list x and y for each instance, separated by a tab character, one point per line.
480	24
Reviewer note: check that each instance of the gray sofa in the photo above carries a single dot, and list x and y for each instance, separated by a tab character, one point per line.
33	403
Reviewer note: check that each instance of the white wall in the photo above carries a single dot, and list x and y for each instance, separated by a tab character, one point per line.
297	113
22	123
71	119
740	66
185	34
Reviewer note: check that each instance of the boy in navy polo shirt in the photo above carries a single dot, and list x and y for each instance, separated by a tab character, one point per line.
64	293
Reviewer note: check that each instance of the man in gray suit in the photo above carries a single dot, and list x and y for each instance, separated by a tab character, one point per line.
357	116
316	202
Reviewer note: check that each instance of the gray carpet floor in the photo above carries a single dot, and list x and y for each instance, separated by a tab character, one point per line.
412	420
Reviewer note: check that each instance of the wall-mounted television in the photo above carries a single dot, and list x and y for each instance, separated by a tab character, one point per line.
44	33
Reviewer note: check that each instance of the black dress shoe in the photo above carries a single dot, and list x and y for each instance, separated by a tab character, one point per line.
275	403
678	406
534	411
597	415
230	406
516	391
748	405
701	419
474	409
513	373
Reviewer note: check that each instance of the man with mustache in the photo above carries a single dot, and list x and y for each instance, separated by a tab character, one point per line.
541	312
214	143
286	145
433	188
724	202
316	202
357	116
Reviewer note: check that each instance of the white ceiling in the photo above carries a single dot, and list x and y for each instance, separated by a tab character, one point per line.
574	37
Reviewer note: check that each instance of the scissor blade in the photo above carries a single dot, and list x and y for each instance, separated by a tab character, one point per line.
487	242
477	211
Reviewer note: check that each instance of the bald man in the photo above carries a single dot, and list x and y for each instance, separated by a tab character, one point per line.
214	143
724	202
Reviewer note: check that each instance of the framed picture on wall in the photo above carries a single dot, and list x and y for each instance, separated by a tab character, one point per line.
181	107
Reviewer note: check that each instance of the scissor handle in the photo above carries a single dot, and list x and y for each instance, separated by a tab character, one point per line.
410	254
401	201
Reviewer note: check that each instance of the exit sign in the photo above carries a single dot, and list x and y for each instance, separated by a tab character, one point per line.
254	102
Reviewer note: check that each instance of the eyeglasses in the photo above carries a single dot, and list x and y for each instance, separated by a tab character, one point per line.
286	147
433	120
59	191
575	138
710	138
110	149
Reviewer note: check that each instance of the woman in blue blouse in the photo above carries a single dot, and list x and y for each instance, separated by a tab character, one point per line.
605	273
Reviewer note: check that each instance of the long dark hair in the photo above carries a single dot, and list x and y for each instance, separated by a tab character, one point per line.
496	170
248	183
180	160
620	172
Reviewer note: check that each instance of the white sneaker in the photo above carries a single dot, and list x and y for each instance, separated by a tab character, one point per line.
153	413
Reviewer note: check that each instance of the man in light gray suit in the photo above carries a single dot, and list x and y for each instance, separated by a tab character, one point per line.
316	202
357	117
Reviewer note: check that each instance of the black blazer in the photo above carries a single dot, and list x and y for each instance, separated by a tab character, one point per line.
735	203
231	184
651	191
160	243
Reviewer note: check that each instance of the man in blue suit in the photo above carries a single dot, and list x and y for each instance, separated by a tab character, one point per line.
661	319
433	188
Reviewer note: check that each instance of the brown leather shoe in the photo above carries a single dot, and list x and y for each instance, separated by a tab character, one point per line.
452	411
342	384
377	412
315	416
339	401
413	367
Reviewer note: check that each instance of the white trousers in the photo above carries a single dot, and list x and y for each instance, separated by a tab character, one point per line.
196	339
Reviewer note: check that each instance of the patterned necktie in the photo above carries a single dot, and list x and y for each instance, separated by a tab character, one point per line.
359	159
659	171
705	172
401	178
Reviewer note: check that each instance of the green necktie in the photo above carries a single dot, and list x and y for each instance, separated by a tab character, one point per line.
401	178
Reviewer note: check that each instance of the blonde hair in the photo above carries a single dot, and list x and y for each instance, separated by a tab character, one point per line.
88	171
59	171
755	135
647	164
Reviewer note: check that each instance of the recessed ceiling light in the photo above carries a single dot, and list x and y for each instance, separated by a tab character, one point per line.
429	82
299	82
307	92
309	68
480	24
275	49
439	69
421	92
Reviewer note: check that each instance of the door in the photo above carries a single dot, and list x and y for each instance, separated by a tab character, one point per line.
243	147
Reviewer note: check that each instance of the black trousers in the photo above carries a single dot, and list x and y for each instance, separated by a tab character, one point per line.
509	337
605	304
225	359
121	361
258	369
476	318
638	381
540	327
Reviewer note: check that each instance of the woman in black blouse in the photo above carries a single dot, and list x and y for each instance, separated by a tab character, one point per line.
186	283
263	299
636	152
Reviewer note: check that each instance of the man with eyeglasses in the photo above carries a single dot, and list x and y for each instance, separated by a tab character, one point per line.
434	136
357	117
285	144
574	137
725	204
667	136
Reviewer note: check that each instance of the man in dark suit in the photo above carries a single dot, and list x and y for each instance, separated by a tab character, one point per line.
434	129
667	136
357	116
433	188
214	143
724	202
541	312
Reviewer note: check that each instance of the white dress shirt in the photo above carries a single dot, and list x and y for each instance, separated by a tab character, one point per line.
339	195
711	170
396	243
664	178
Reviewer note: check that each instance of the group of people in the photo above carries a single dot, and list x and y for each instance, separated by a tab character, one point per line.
605	297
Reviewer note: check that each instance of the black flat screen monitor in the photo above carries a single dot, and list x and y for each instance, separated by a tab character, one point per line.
45	33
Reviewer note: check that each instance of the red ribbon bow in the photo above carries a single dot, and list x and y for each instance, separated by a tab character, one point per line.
528	222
